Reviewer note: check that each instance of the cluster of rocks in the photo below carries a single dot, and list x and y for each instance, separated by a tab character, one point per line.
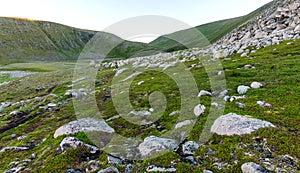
161	60
17	74
280	22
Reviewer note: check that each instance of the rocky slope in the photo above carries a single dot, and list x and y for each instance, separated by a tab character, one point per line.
257	131
280	22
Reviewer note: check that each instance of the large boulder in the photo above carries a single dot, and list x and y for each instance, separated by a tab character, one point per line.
252	167
83	125
233	124
154	144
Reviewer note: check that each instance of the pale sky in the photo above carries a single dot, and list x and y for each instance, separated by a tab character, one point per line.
99	14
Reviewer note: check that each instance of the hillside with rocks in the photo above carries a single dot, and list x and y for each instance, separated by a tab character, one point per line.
233	107
280	22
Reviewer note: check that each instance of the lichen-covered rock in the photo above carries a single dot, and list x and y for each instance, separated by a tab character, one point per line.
72	142
233	124
190	147
199	110
154	144
252	167
83	125
111	169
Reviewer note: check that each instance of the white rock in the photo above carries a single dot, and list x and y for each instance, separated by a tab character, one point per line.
243	89
15	170
14	148
297	28
222	94
153	168
252	167
72	142
204	93
141	113
51	105
233	98
199	110
140	83
184	123
256	85
83	125
233	124
111	169
241	105
174	113
264	104
154	144
120	71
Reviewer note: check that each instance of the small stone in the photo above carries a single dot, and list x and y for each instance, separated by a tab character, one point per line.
297	28
73	171
129	168
243	89
52	105
13	136
256	85
140	83
111	169
233	98
114	160
207	171
14	148
264	104
15	170
153	168
190	147
224	93
191	160
210	152
21	138
204	93
174	113
241	105
252	167
199	110
182	124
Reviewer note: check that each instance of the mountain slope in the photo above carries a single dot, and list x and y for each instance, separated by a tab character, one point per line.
38	40
212	31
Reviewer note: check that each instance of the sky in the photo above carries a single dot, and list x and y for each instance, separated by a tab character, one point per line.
100	14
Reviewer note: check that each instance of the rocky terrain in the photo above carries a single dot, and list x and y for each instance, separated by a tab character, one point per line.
249	124
280	22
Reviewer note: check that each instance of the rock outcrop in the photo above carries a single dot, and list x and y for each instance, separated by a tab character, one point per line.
233	124
280	22
83	125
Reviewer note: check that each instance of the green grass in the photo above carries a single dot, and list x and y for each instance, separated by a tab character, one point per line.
211	32
277	67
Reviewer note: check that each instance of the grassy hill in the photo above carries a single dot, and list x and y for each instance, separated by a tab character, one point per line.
211	31
23	40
